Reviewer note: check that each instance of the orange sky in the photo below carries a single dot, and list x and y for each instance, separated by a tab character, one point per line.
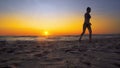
17	25
57	17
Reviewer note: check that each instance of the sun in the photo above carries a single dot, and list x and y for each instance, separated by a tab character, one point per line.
46	33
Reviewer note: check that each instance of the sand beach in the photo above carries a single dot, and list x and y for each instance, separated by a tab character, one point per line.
100	53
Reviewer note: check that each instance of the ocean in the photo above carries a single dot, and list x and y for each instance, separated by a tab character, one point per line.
55	38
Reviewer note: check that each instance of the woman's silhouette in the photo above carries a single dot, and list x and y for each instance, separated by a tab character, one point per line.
87	24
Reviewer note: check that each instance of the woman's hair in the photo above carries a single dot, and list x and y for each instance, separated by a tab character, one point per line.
88	8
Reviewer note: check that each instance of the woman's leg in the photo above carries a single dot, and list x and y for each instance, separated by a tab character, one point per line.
90	33
84	29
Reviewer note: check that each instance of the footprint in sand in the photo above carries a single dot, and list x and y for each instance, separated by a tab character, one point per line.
42	54
117	64
53	59
11	66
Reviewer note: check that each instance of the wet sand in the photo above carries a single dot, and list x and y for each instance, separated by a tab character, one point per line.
101	53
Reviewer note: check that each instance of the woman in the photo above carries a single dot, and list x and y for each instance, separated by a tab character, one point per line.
87	24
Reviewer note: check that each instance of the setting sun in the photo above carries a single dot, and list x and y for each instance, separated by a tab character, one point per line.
46	33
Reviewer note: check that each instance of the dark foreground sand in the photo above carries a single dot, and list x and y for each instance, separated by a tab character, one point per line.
101	53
